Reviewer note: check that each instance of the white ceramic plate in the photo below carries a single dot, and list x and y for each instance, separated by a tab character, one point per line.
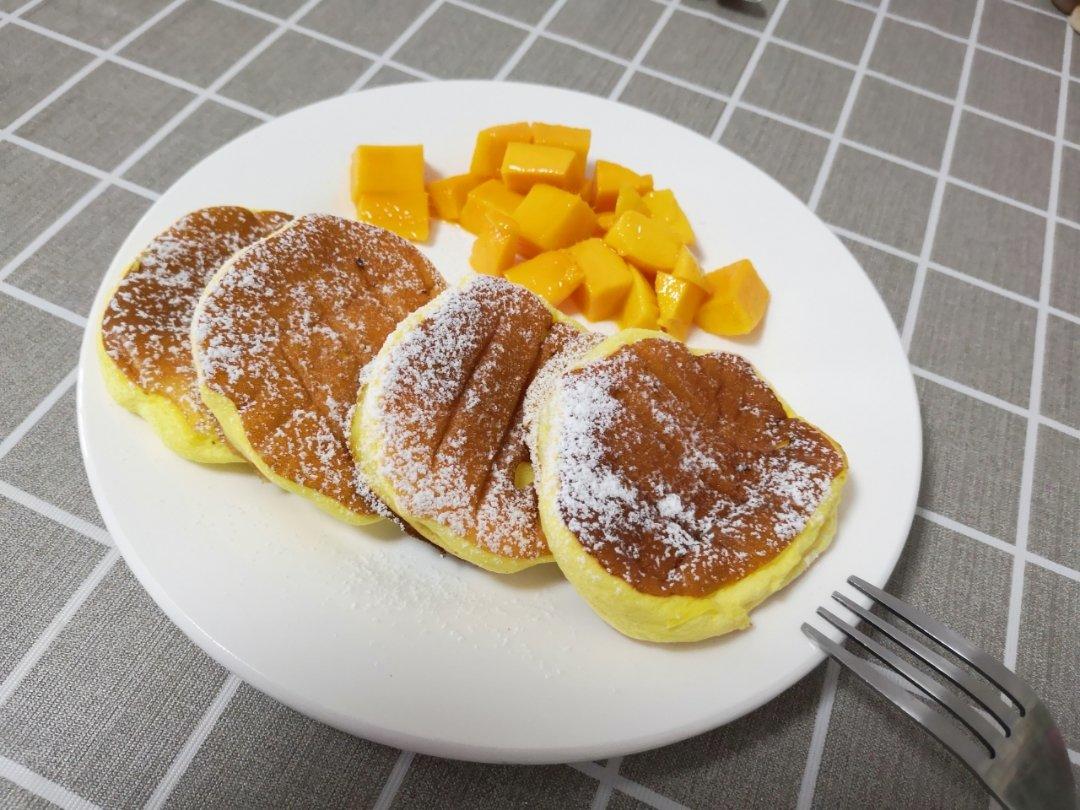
378	634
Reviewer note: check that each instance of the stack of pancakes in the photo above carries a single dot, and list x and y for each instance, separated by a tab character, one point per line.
673	488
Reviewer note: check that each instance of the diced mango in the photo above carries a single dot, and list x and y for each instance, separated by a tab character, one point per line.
490	203
687	268
610	178
588	190
640	309
550	218
643	242
553	275
678	301
448	194
663	206
526	164
606	283
605	220
573	138
491	144
403	212
387	169
494	251
738	301
629	200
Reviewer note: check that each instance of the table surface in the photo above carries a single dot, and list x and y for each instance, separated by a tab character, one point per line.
940	139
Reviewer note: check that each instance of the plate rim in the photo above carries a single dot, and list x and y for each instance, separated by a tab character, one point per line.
434	746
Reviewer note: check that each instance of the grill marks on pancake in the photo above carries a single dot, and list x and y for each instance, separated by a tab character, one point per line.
681	473
452	413
146	325
286	331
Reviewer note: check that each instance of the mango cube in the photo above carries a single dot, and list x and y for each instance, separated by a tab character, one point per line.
448	194
738	301
663	206
494	251
678	301
605	220
573	138
606	283
640	309
490	203
553	275
403	212
644	242
629	200
387	169
526	164
550	218
610	178
491	144
687	268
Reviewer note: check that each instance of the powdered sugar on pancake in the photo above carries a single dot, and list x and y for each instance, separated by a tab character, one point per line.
681	473
146	326
285	331
452	410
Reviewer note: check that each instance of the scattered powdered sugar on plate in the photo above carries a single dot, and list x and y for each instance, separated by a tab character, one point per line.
680	473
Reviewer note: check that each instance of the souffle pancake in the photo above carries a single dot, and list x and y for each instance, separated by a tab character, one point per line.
440	427
279	339
677	491
144	343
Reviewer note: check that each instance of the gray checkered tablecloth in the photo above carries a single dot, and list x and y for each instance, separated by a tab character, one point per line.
939	138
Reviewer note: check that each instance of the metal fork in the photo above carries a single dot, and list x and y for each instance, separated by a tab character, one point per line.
1018	754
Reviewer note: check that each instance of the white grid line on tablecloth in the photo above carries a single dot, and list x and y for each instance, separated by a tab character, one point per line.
818	735
1027	474
41	787
763	41
845	112
639	55
78	165
606	786
1057	15
823	712
628	786
43	304
625	785
394	780
130	64
908	329
31	419
90	66
55	514
193	743
31	657
530	38
396	45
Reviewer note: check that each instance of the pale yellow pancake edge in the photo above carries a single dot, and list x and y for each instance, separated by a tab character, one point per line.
166	419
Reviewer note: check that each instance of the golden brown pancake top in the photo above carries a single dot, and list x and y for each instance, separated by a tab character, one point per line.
146	328
289	326
681	473
453	394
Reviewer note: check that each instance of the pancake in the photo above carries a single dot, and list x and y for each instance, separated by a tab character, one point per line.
677	491
440	427
144	343
280	337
